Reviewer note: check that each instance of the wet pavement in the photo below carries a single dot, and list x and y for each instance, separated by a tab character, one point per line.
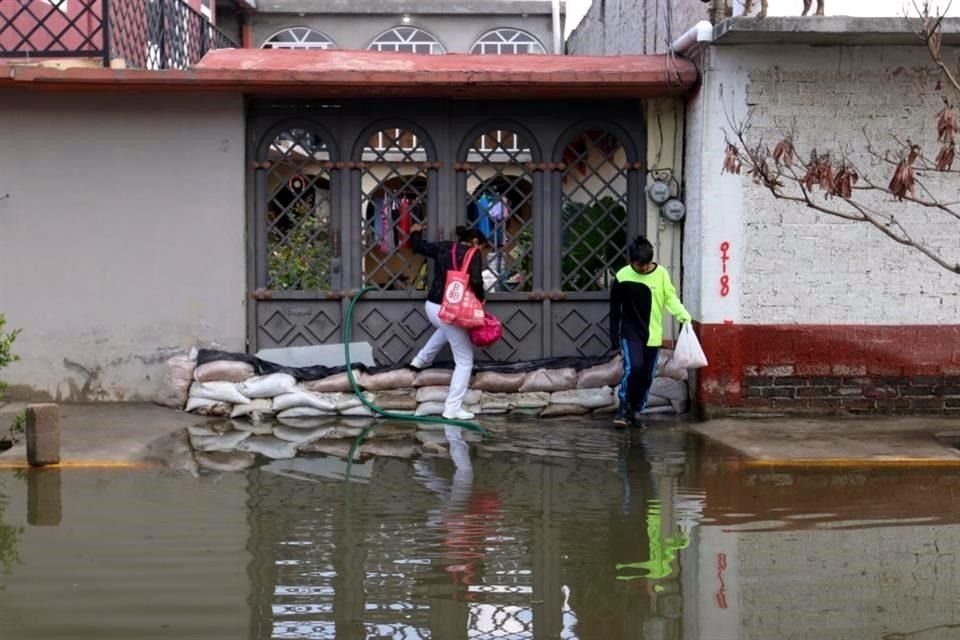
553	529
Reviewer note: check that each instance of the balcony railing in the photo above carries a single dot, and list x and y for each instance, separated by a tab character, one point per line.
141	34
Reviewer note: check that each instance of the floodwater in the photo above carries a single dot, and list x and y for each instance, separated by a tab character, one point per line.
554	531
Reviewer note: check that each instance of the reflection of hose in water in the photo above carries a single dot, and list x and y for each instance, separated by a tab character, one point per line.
463	424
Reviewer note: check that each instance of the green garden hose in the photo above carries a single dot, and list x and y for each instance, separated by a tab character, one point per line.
463	424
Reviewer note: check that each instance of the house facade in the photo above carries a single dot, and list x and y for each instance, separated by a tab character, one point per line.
432	27
799	310
246	199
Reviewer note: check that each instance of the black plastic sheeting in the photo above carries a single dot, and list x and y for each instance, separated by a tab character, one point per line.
317	372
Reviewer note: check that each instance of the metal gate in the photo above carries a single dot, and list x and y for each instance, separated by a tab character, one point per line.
336	186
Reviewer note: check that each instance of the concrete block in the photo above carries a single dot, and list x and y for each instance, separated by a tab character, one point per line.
43	434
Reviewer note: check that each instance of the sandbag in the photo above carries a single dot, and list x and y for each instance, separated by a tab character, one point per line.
268	386
337	383
199	403
263	406
345	401
557	410
531	400
439	394
300	397
550	380
396	399
589	398
223	371
433	378
671	370
175	382
219	391
491	403
680	406
395	379
429	409
602	375
495	382
669	388
360	410
303	412
662	359
436	408
657	401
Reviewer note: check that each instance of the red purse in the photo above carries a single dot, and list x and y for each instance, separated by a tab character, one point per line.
460	306
489	332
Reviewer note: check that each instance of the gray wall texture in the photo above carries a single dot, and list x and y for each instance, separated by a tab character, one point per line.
613	27
122	240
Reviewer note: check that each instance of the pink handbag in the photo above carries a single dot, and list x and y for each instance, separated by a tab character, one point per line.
460	306
489	332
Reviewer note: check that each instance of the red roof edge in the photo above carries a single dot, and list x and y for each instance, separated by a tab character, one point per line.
364	74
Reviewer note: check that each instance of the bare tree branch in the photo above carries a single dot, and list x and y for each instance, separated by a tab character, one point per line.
782	172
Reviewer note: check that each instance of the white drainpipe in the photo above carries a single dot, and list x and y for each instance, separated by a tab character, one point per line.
557	28
702	32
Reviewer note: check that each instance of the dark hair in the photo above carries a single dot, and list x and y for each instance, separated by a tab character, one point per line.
469	234
641	251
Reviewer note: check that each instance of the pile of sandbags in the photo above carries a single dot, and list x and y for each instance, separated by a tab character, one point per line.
232	388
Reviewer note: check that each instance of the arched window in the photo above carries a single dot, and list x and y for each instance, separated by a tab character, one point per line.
407	40
299	38
507	41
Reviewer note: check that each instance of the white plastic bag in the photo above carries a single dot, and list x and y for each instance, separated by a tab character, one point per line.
688	354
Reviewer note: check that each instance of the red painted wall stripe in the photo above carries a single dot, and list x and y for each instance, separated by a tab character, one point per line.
738	351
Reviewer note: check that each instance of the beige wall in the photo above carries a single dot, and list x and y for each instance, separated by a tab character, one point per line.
122	239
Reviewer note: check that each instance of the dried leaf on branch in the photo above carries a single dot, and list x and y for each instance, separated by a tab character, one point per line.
784	152
731	160
946	125
844	181
903	182
945	157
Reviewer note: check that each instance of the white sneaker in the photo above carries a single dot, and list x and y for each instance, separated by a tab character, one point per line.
417	363
463	414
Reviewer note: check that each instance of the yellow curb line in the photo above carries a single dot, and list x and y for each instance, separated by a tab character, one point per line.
851	462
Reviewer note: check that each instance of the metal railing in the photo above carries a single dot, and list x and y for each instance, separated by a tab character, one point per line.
140	34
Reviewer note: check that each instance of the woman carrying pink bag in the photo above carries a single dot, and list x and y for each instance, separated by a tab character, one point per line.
451	257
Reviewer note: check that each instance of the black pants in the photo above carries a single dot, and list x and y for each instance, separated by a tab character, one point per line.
639	366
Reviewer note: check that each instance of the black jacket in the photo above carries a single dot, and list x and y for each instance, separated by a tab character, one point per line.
440	252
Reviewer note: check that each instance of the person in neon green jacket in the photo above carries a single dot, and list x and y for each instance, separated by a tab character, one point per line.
640	293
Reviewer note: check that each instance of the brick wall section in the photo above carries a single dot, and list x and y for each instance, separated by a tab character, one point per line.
830	369
852	394
615	27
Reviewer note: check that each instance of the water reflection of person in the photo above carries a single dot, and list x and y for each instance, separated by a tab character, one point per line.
465	519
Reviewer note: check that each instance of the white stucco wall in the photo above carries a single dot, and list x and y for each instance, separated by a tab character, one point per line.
789	264
122	239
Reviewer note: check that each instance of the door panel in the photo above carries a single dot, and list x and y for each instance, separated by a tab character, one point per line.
334	193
